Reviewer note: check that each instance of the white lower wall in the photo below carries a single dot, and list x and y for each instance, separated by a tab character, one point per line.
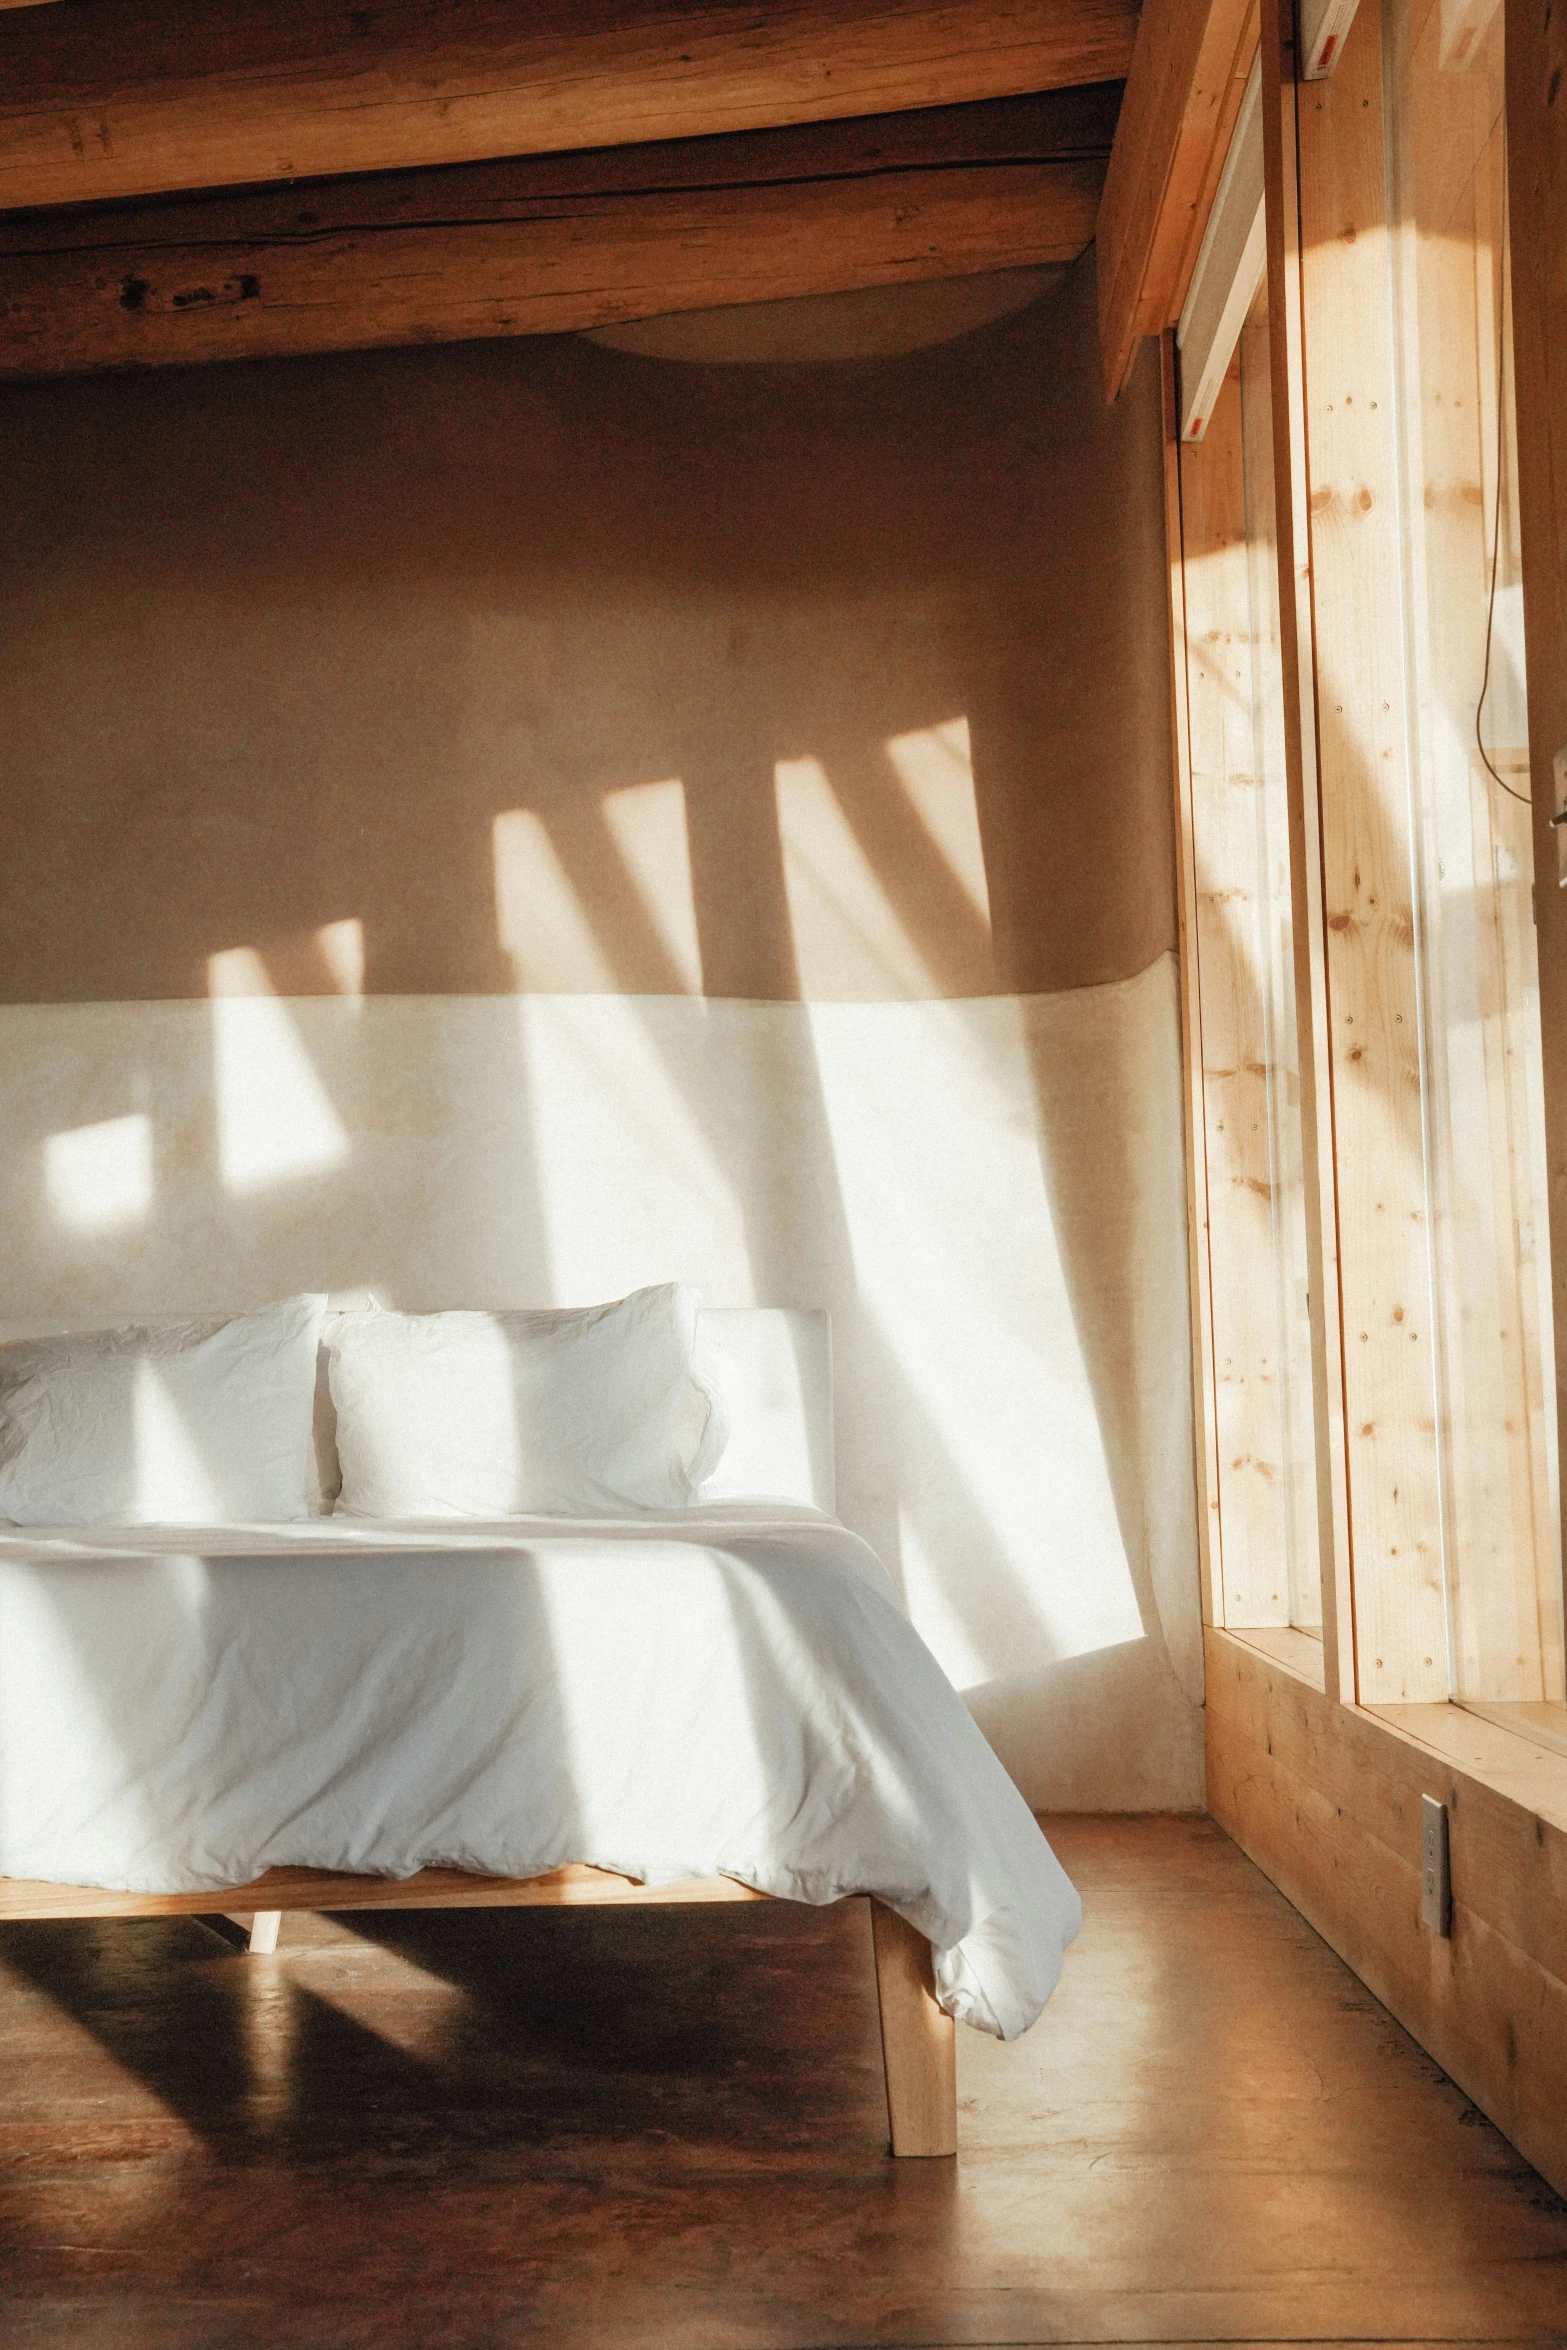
988	1195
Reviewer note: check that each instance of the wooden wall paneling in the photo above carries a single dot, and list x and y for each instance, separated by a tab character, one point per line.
1290	1263
1225	787
1183	92
555	243
1199	1253
1478	943
1325	1798
99	102
1536	39
1368	881
1308	926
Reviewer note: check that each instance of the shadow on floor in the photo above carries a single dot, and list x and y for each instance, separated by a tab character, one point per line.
643	2130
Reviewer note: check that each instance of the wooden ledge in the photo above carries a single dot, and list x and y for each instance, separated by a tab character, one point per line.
1326	1799
1284	1644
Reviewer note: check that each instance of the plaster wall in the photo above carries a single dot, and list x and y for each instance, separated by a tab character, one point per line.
502	823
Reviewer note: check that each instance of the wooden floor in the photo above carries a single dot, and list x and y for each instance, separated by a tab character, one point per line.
666	2128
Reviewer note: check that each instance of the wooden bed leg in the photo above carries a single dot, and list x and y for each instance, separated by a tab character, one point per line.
917	2045
264	1926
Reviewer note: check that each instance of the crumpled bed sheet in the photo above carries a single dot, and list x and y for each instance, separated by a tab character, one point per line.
728	1690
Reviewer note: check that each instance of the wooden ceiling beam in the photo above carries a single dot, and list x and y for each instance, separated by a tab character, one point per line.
549	245
1183	92
101	102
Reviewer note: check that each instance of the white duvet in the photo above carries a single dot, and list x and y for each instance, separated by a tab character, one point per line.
731	1690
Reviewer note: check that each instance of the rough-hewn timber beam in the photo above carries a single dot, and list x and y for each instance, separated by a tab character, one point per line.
555	243
1188	75
100	101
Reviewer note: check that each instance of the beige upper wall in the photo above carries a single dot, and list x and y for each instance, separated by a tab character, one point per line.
554	667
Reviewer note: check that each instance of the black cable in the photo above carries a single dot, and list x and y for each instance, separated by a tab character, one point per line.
1523	798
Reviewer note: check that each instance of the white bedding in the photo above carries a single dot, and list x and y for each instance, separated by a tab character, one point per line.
729	1690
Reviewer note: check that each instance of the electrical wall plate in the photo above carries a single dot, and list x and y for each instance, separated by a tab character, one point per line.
1436	1885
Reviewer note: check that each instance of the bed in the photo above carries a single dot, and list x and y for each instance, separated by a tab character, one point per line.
724	1702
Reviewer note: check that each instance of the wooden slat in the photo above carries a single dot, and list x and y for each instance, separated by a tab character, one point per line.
1326	1799
1373	999
1227	784
319	1889
1536	35
1198	1237
558	243
1297	685
103	101
1183	92
1478	934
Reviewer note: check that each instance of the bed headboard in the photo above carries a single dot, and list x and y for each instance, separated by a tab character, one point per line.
774	1364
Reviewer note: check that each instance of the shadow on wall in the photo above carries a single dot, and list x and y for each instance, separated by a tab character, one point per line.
508	822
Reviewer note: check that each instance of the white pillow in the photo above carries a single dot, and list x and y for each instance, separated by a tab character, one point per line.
580	1412
178	1423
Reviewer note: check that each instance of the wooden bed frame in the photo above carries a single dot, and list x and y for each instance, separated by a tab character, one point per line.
917	2039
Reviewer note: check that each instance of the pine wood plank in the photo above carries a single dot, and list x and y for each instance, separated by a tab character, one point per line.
1501	1745
1539	1721
1297	680
1326	1799
1372	1765
1225	787
1536	39
1198	1239
1183	91
1482	1069
1356	565
1284	1644
102	102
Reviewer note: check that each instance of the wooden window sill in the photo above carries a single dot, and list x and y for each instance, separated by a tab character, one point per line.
1513	1765
1297	1652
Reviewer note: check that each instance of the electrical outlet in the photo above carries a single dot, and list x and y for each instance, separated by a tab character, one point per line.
1436	1887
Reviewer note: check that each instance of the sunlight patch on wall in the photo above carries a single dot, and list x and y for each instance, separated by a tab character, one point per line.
342	950
633	1184
648	822
274	1118
539	919
972	1309
99	1177
848	941
936	770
